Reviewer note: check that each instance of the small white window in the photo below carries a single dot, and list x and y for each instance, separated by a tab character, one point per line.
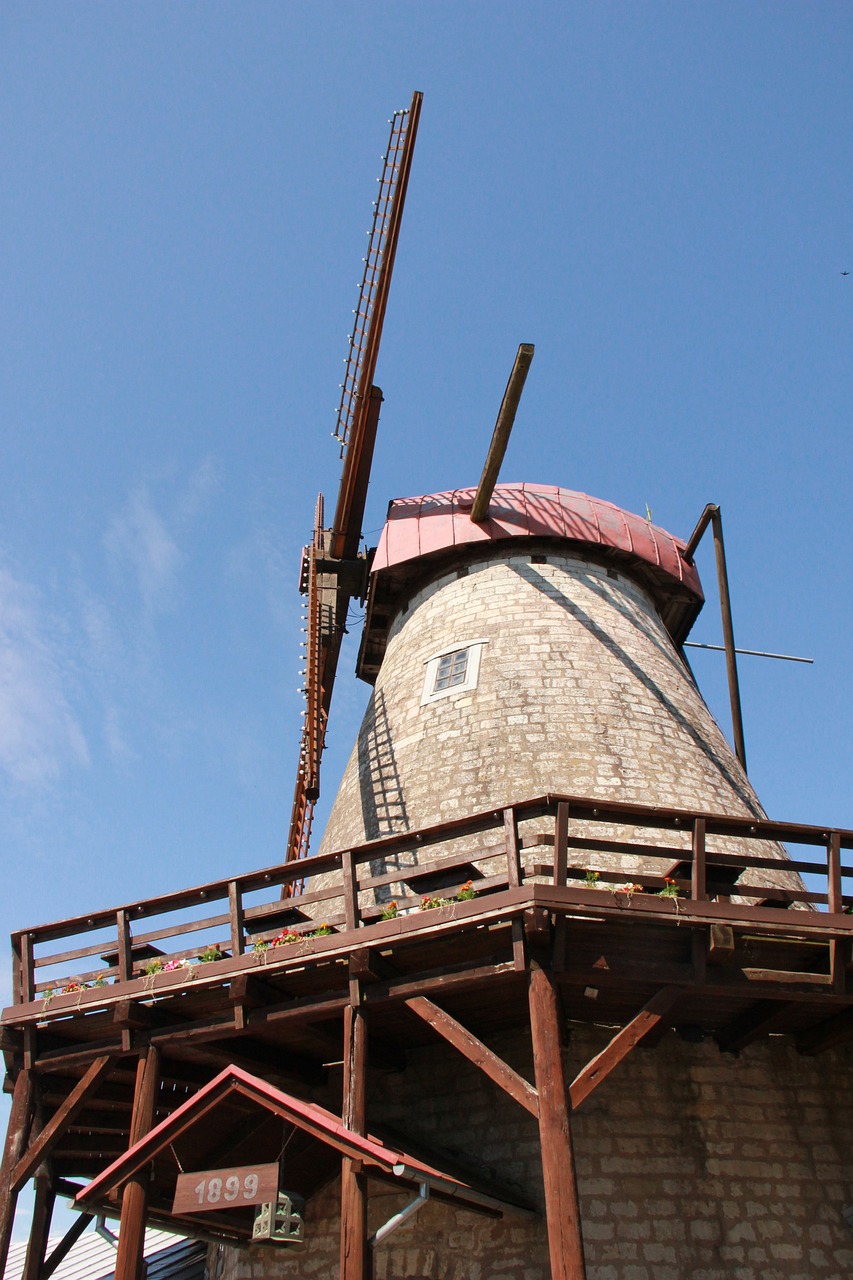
453	670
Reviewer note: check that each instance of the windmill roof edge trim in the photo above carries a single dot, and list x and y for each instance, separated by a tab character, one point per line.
423	532
418	526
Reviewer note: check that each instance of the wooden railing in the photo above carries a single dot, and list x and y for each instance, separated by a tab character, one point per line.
230	917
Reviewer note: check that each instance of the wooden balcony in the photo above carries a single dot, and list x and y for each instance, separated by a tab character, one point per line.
459	930
703	919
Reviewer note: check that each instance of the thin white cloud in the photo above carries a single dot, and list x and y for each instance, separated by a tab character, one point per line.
39	734
201	487
139	539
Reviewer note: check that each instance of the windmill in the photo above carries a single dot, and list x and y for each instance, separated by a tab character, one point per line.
534	735
333	572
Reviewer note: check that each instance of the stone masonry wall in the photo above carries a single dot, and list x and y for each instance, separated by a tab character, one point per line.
693	1165
580	691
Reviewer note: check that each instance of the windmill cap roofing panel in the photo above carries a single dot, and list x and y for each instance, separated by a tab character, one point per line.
437	522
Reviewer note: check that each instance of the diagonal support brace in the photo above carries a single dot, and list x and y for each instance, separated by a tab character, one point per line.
599	1068
476	1052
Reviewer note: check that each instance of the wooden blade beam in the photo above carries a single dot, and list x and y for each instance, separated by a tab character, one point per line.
347	523
335	574
501	433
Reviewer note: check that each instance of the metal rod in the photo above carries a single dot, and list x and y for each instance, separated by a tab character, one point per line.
752	653
500	435
728	635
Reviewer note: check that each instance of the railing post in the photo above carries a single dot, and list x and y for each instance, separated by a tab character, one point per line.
833	873
123	958
235	914
24	968
561	848
513	862
835	905
698	877
351	911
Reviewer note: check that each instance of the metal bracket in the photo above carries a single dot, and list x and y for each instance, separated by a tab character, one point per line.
397	1219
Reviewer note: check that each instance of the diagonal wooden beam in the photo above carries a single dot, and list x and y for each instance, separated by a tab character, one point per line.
623	1042
66	1244
827	1034
67	1113
476	1052
760	1019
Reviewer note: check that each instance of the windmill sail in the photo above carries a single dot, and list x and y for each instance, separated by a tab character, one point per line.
332	571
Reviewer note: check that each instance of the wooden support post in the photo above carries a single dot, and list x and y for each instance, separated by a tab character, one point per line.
562	1206
40	1227
20	1120
134	1201
356	1258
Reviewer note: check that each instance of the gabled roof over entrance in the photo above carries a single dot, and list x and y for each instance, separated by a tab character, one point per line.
240	1119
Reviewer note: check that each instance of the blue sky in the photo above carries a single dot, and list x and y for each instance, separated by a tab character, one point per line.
659	196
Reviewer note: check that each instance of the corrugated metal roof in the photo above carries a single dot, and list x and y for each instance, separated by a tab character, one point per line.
169	1257
437	522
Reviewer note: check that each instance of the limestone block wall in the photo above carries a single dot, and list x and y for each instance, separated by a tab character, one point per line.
693	1165
580	691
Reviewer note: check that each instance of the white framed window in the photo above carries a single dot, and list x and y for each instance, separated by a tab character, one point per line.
455	669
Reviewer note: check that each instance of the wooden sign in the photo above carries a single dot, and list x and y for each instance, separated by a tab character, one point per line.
210	1190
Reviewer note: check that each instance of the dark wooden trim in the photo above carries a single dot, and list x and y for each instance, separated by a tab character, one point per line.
476	1052
562	1205
59	1122
599	1068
